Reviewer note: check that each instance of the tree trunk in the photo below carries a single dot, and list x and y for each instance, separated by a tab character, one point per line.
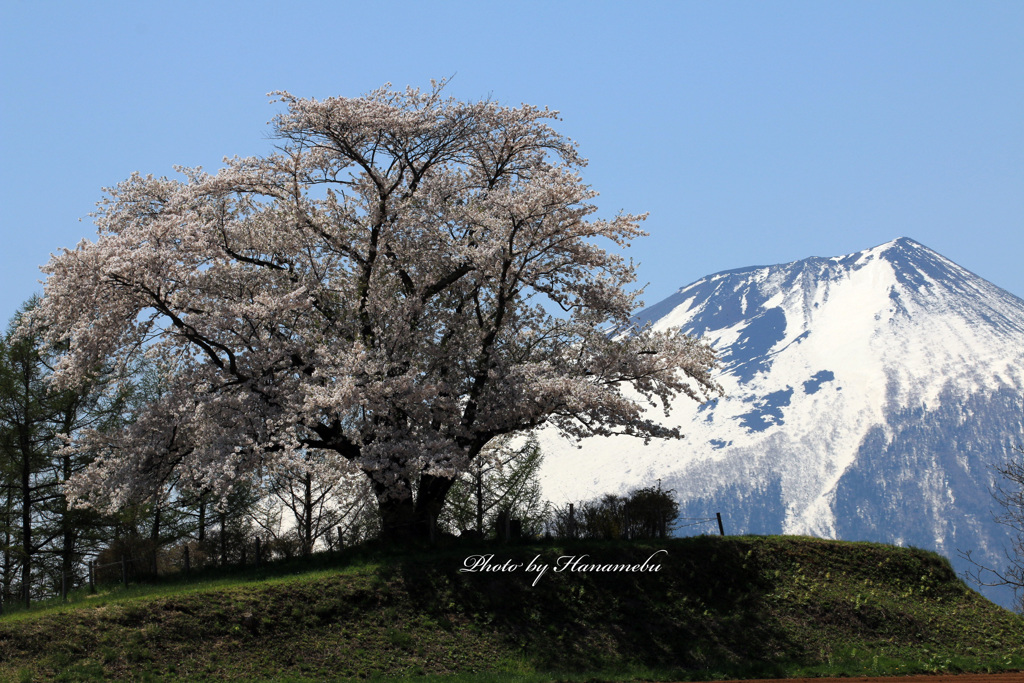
202	519
69	534
155	538
398	520
480	501
8	578
307	514
26	516
408	520
223	539
431	495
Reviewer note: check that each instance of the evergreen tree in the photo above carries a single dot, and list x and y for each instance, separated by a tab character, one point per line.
503	483
44	536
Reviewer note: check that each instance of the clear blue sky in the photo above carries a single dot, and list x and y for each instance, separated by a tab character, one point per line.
753	132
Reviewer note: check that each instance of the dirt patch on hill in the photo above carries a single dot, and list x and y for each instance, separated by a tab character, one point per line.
1012	677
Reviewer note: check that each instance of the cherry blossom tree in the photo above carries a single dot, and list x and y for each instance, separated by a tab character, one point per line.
380	287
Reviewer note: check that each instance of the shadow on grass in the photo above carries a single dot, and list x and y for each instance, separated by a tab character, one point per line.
703	609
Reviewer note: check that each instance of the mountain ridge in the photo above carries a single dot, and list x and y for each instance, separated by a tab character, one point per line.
867	396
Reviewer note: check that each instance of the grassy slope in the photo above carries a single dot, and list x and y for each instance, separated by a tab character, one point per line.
731	607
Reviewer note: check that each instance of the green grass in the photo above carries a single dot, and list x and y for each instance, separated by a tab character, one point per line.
730	607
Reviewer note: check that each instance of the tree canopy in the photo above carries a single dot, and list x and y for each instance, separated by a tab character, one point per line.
406	277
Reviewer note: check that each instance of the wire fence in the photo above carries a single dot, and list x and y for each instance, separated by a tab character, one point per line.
697	521
143	567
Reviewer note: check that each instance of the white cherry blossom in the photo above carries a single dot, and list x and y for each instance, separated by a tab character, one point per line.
372	288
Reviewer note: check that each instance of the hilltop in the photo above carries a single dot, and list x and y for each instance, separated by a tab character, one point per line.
717	607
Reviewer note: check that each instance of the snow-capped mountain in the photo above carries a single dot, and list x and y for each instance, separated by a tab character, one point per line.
866	398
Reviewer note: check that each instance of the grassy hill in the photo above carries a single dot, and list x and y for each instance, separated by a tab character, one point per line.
717	608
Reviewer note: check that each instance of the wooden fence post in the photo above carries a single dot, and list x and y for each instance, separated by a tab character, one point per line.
721	529
124	571
188	561
257	551
92	576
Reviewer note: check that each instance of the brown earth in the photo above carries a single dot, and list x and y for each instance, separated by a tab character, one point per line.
1017	677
